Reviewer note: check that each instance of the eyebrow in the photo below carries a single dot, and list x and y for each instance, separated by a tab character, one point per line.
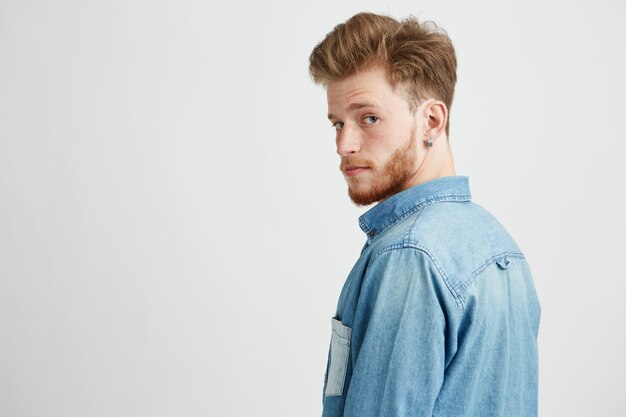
354	106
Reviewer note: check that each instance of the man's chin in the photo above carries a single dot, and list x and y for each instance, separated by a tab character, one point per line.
365	195
362	197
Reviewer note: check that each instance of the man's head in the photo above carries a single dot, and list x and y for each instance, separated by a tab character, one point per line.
388	83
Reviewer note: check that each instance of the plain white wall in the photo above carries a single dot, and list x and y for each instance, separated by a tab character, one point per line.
174	229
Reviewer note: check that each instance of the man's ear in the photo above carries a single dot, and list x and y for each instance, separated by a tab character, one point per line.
435	113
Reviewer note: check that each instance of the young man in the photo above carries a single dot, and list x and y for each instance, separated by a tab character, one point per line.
439	316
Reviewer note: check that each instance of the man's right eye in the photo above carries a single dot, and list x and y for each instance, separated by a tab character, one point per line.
338	125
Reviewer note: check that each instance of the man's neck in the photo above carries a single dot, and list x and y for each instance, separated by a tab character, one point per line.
438	162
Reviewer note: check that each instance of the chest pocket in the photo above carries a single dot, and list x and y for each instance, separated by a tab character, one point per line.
339	355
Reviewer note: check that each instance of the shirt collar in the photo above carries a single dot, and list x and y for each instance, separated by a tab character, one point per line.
385	214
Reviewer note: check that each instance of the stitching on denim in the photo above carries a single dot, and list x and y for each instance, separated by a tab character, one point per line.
413	209
511	254
408	235
415	245
409	232
364	225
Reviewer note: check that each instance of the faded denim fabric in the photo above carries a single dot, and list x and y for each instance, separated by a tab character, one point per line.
438	317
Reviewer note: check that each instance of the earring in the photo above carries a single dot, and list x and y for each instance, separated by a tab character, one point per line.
430	141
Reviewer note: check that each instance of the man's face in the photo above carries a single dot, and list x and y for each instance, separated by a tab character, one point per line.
376	136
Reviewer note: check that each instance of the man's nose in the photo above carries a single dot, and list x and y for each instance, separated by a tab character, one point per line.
348	141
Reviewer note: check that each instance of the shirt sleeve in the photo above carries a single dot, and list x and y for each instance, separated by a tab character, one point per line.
399	334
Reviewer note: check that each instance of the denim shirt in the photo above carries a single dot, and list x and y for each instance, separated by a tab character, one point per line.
439	315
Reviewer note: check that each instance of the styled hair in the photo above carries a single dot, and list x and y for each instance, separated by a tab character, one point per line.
417	54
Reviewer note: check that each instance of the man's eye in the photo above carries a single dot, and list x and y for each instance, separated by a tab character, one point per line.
370	120
338	125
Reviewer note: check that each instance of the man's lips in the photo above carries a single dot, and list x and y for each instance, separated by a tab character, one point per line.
351	170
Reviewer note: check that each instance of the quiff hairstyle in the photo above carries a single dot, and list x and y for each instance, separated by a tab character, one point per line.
413	53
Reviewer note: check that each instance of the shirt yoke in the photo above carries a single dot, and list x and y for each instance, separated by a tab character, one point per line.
460	237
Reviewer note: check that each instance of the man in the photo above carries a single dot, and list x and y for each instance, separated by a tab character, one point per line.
439	316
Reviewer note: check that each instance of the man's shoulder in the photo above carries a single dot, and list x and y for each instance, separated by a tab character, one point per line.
452	226
459	237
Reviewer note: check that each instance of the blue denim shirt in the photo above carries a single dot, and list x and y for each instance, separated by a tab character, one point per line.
439	315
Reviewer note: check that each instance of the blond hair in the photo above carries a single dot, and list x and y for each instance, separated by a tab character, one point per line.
413	53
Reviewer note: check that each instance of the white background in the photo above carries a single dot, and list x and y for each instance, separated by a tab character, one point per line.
174	229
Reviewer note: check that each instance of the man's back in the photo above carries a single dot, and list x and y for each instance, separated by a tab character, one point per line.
439	316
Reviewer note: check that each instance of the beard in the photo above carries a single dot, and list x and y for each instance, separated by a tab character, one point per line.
389	179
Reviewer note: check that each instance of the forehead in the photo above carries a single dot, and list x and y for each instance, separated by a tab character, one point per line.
367	86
